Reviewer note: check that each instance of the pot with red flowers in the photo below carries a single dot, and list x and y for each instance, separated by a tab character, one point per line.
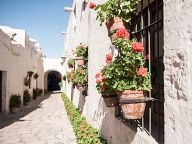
71	63
115	13
104	83
81	54
130	77
80	78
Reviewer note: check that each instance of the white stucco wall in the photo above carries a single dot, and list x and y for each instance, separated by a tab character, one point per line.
178	71
16	58
89	31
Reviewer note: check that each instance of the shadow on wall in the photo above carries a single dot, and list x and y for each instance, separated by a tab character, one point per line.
111	128
81	102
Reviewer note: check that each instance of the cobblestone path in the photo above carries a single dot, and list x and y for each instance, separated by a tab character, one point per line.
46	124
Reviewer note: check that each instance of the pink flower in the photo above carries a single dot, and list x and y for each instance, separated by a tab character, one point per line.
137	46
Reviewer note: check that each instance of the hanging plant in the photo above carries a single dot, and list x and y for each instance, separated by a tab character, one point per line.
35	76
27	81
70	76
80	78
30	73
124	9
82	51
71	63
64	77
104	84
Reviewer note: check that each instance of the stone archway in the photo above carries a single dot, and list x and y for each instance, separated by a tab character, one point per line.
52	78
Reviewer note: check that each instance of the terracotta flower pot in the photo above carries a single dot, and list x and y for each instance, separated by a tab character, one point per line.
111	100
114	24
131	109
80	61
81	87
15	109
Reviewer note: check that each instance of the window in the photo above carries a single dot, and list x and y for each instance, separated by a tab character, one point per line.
148	29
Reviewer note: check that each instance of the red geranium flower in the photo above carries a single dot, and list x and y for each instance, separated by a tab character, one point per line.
109	56
97	75
104	87
108	61
142	72
92	5
137	46
103	79
122	32
97	81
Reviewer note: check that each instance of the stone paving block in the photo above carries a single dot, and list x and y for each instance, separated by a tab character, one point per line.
48	124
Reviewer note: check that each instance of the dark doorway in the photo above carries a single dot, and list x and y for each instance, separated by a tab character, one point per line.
53	80
0	90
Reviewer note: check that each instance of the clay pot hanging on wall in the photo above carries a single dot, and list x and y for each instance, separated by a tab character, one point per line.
80	61
81	87
114	24
111	100
132	103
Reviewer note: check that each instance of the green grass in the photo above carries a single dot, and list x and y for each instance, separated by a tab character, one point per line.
84	132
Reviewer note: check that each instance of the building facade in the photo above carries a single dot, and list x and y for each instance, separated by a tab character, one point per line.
164	27
18	55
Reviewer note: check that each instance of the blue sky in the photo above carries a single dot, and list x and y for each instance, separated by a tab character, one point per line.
44	20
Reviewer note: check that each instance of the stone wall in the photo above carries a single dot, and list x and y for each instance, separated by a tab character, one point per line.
178	71
16	58
89	31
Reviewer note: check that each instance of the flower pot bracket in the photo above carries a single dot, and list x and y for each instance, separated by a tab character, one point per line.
146	99
109	96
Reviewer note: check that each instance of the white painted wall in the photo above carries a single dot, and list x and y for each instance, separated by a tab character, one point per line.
16	58
89	31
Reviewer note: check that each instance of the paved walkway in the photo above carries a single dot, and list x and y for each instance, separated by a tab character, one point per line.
47	123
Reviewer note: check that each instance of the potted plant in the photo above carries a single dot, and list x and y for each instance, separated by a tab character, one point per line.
104	84
81	54
26	97
35	76
30	74
115	12
35	93
71	63
131	79
15	103
64	77
80	78
70	76
27	81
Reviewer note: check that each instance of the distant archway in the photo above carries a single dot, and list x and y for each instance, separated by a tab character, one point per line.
52	80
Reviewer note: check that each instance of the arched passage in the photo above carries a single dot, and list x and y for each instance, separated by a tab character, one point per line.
52	80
